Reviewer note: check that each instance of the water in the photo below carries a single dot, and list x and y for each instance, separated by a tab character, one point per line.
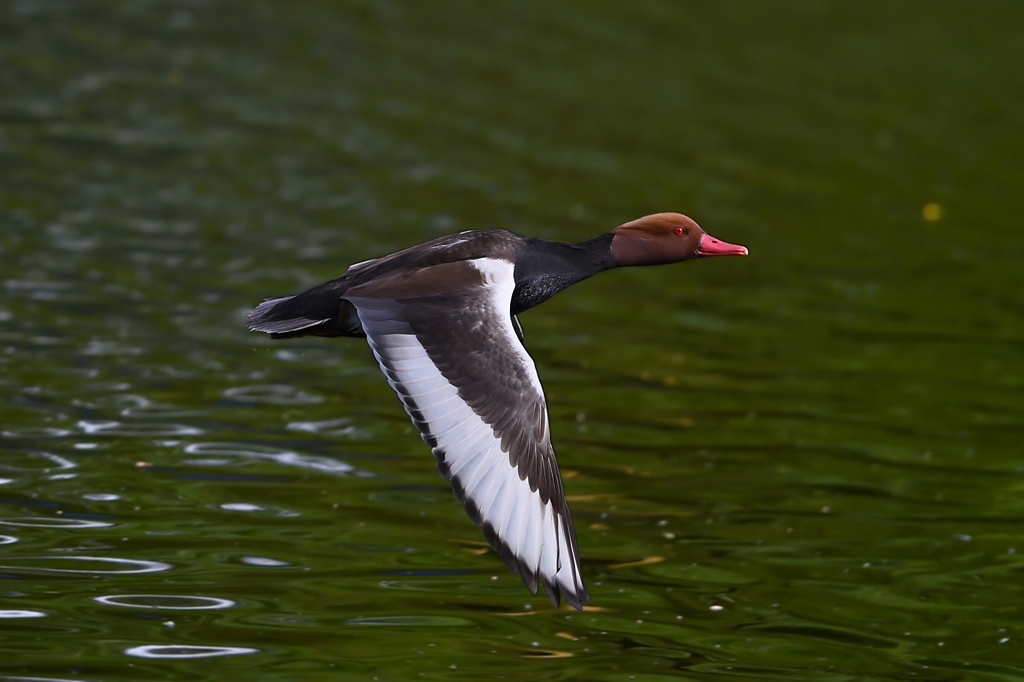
801	465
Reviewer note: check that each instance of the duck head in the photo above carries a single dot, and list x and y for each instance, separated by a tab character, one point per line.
666	238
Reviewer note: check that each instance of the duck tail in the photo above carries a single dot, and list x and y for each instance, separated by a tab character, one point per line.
312	313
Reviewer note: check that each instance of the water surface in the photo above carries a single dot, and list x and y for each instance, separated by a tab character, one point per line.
801	465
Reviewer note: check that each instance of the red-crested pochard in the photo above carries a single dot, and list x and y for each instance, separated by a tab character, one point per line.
441	319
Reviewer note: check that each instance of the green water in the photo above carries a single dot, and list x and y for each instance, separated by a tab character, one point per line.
801	465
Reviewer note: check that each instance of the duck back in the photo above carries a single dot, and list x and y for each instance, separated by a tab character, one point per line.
323	310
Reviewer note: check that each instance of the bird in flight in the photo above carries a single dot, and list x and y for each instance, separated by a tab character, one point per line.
441	319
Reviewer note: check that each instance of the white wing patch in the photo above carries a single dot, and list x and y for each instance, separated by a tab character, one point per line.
534	536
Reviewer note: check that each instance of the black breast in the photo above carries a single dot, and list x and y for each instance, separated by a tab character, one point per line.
538	289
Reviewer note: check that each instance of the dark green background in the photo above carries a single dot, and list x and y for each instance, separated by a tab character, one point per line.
814	451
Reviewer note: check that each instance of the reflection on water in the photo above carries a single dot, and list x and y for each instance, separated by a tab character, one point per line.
21	678
165	602
100	497
263	561
124	566
276	394
165	651
410	621
34	433
115	428
324	464
54	523
800	466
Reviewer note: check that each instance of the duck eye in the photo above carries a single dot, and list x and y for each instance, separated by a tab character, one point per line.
680	230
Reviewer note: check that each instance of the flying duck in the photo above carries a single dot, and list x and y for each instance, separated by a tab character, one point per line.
441	319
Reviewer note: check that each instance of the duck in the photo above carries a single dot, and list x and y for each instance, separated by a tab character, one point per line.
441	318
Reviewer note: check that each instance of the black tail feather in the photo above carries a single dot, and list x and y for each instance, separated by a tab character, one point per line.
311	313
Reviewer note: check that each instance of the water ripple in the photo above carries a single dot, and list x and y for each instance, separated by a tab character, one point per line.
171	651
61	462
19	678
35	432
30	462
249	507
7	539
106	347
102	386
263	561
115	428
330	427
114	401
138	565
21	614
410	621
272	394
46	522
155	410
288	457
166	602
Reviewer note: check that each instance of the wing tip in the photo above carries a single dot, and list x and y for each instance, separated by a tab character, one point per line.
574	595
555	592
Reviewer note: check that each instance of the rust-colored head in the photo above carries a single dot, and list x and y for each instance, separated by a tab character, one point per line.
666	238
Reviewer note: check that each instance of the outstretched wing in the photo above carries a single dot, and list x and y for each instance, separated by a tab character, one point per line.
445	340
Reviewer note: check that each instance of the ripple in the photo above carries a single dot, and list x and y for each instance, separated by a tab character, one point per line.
102	386
106	347
211	462
288	457
36	432
19	678
133	405
21	614
249	507
113	401
171	651
101	497
330	427
263	561
165	602
30	461
137	565
46	522
115	428
242	506
61	462
410	621
156	410
7	539
273	394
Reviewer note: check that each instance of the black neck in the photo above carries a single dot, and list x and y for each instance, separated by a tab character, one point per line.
545	268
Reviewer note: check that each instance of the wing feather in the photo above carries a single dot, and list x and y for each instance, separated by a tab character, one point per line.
444	338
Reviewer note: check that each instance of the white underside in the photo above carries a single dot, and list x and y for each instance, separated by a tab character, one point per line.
534	532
